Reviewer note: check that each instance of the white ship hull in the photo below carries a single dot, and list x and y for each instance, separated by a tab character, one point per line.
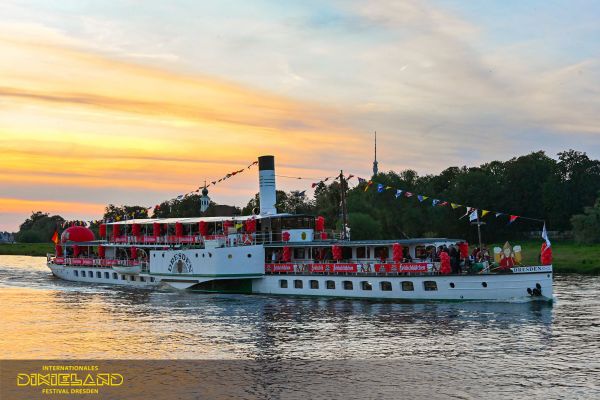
484	287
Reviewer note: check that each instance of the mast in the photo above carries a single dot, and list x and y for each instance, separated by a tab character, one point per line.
375	163
343	206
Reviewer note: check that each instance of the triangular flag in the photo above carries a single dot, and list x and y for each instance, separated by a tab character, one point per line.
498	214
454	206
388	188
473	216
544	236
422	198
443	203
313	185
484	213
398	193
368	185
55	238
408	194
512	218
435	202
379	187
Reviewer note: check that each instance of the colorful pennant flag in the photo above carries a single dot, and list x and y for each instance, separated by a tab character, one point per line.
473	216
512	219
484	213
368	185
379	188
398	193
435	202
455	206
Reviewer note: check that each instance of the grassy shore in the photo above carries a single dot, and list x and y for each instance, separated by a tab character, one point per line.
568	256
26	249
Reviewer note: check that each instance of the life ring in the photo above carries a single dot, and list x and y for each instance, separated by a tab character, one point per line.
247	238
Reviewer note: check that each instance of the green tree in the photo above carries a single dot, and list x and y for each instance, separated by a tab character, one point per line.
39	227
586	226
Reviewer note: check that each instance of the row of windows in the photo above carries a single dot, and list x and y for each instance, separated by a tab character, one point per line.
384	286
115	276
209	254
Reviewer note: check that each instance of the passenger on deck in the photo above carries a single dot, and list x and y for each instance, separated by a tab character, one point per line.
454	259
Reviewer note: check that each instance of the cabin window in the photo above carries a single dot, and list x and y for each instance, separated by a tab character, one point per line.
407	286
430	285
76	273
91	274
115	276
132	278
83	274
152	279
142	279
330	285
314	284
98	274
299	253
283	283
386	286
484	284
298	284
366	285
381	253
420	252
347	285
106	275
123	277
363	252
452	285
249	255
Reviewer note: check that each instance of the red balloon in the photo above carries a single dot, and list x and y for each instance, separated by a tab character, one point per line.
203	228
397	252
445	267
178	229
287	254
319	224
156	229
77	234
101	251
59	250
102	230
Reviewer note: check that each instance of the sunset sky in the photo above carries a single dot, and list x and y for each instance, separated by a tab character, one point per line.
135	102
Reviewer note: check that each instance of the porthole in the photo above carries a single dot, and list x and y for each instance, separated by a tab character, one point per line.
196	255
210	254
452	285
203	255
484	284
249	255
163	254
154	255
230	256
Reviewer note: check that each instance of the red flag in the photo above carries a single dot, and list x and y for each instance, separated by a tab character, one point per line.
55	237
513	218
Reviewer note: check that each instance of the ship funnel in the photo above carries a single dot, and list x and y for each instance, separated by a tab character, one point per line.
266	181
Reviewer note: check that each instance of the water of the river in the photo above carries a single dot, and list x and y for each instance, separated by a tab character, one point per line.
511	350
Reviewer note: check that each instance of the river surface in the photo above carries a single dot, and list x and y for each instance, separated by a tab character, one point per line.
497	349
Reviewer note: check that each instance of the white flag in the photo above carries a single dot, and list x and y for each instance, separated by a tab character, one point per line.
473	216
545	236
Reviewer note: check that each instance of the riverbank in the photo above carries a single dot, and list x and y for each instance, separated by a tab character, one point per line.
569	257
26	249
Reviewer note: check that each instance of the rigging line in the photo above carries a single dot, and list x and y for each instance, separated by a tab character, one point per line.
301	177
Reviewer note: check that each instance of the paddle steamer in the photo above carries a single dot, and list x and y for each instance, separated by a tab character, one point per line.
281	254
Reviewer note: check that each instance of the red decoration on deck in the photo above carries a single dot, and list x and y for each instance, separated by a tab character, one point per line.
337	252
116	231
133	252
285	236
546	254
136	230
77	234
156	229
76	251
102	230
203	228
323	235
445	267
319	224
397	252
178	229
250	225
464	249
58	250
287	254
101	251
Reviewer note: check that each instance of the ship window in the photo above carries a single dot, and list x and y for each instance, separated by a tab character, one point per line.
229	256
76	273
283	283
115	275
407	286
330	284
163	255
196	255
132	278
83	274
210	254
314	284
420	252
298	284
363	252
299	253
142	279
366	285
484	284
91	274
347	285
430	285
98	274
151	279
106	275
386	286
452	285
203	255
249	255
123	277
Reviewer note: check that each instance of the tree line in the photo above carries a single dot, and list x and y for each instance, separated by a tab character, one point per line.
564	192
